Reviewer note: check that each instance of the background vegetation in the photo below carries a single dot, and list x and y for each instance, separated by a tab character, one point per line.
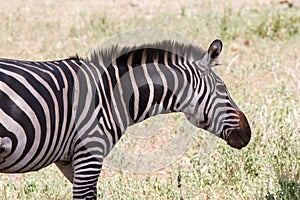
260	65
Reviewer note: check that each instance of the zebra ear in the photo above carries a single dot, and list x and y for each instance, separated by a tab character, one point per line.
214	51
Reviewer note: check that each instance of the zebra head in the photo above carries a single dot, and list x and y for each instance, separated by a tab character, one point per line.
211	107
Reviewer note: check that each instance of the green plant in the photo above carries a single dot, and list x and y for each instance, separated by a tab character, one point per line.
278	25
289	190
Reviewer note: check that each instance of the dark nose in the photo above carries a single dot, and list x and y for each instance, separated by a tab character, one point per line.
240	137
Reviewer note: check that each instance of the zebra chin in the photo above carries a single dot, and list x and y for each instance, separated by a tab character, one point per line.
240	137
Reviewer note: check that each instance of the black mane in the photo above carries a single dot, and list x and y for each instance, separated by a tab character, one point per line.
108	54
75	57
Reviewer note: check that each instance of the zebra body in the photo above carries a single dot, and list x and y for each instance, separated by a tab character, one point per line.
72	112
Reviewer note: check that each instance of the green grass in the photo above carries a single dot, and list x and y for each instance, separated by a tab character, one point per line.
260	65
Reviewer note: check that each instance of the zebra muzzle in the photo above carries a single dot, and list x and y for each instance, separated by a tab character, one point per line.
240	137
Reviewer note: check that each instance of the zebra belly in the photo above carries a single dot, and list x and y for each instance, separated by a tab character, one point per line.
22	150
18	154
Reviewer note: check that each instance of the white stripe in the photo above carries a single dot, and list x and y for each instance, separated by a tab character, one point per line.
61	133
75	100
107	114
119	84
114	105
45	72
135	87
149	83
89	105
164	84
185	82
175	76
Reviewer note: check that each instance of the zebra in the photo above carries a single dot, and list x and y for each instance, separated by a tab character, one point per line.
72	112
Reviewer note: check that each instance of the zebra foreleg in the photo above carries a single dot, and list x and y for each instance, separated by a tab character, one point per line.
87	167
5	147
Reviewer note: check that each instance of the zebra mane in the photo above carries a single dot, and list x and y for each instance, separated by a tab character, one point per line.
106	55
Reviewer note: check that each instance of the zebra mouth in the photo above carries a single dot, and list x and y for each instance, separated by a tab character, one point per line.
240	137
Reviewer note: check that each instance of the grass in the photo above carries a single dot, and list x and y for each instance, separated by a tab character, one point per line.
260	65
278	25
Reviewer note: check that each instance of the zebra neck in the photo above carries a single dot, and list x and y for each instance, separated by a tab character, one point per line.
142	83
153	100
141	95
147	101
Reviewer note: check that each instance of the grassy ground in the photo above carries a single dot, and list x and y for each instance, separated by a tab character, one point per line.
260	64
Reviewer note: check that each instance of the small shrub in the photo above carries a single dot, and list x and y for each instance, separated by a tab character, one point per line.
230	24
278	25
289	190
